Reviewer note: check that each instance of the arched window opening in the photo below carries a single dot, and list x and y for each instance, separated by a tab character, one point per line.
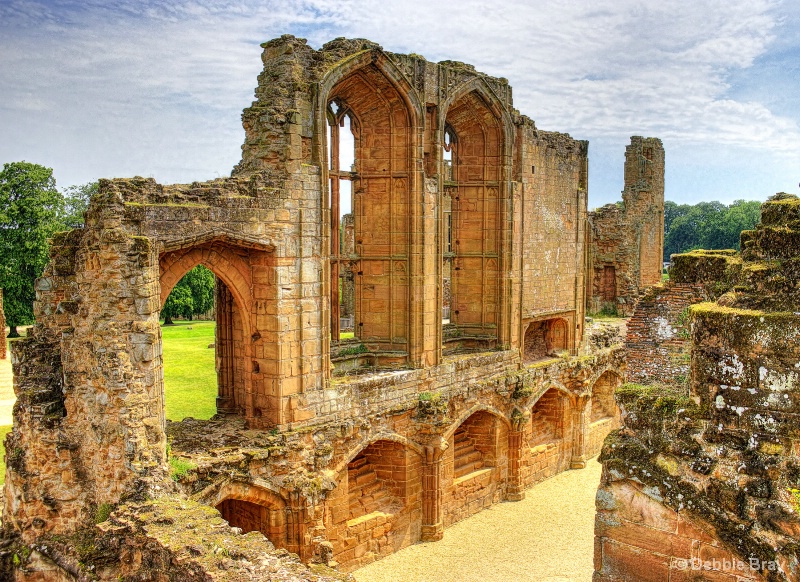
188	341
448	171
342	130
472	180
370	263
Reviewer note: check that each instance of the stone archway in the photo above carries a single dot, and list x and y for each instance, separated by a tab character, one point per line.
246	359
604	414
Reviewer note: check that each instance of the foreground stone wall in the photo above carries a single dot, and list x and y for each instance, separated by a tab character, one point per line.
3	341
724	455
627	240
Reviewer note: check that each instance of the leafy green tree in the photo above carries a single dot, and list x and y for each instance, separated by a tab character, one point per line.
178	304
192	295
30	211
76	201
707	225
200	281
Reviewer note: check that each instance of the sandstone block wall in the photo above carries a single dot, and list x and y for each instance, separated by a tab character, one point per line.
627	240
638	538
363	445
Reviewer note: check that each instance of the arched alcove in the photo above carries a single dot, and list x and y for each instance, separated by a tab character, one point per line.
476	464
604	414
545	339
547	436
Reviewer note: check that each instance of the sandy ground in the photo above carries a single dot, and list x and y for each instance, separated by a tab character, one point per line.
6	391
547	537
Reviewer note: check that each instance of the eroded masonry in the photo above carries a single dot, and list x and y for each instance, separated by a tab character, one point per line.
402	265
703	479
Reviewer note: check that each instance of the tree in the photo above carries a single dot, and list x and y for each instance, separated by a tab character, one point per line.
200	281
178	304
30	212
707	225
192	295
76	201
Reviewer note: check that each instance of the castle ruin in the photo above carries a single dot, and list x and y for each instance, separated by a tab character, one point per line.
627	239
703	479
405	200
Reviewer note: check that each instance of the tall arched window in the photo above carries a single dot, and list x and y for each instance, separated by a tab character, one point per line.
342	131
473	138
378	184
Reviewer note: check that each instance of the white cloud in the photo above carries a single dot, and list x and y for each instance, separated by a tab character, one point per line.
153	87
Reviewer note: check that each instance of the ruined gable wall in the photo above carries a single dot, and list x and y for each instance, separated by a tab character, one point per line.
553	181
262	236
725	457
2	329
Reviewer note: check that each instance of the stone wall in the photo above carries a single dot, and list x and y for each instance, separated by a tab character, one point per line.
342	450
658	333
627	240
3	340
721	456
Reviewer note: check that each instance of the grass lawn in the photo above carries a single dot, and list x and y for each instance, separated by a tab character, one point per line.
190	381
4	430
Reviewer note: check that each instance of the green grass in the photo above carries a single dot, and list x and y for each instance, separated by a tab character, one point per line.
190	381
346	335
4	430
178	468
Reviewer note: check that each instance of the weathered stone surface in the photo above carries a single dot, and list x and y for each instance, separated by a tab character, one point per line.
722	455
627	239
658	341
338	450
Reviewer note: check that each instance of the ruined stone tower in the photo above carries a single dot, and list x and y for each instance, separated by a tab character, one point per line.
627	245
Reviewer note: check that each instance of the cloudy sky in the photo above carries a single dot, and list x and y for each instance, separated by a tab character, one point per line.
111	89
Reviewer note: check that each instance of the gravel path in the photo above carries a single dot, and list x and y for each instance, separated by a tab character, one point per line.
547	537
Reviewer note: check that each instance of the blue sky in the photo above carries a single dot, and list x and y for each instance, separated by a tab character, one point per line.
113	89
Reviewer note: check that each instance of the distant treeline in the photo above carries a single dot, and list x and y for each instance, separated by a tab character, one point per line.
707	225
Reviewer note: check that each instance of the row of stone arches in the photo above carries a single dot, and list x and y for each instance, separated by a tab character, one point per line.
392	492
